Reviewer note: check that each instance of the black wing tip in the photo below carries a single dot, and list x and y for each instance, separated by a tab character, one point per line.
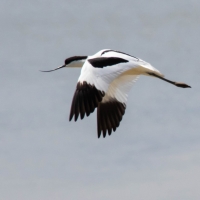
110	131
86	99
109	116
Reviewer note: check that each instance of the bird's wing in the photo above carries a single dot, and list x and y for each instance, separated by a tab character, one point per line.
85	100
112	108
96	76
145	67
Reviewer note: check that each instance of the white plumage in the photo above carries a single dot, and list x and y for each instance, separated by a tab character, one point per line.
104	83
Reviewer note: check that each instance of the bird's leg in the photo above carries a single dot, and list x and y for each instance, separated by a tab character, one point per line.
183	85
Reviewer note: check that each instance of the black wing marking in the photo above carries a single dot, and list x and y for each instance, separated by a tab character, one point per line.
85	100
109	50
109	115
102	62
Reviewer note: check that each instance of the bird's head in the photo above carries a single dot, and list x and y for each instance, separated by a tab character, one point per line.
75	61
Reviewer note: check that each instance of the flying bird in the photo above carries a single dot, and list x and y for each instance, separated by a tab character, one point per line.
104	83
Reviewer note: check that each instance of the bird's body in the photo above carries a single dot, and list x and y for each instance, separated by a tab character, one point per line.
104	83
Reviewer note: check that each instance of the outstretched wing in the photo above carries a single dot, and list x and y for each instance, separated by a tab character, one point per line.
112	107
85	100
104	83
96	76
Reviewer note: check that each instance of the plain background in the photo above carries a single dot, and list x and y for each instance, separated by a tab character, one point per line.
153	155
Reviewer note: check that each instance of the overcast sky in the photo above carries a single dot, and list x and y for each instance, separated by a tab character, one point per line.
153	155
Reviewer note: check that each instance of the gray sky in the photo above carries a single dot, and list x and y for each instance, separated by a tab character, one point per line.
153	155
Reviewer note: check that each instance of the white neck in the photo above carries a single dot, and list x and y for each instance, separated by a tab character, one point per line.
77	63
